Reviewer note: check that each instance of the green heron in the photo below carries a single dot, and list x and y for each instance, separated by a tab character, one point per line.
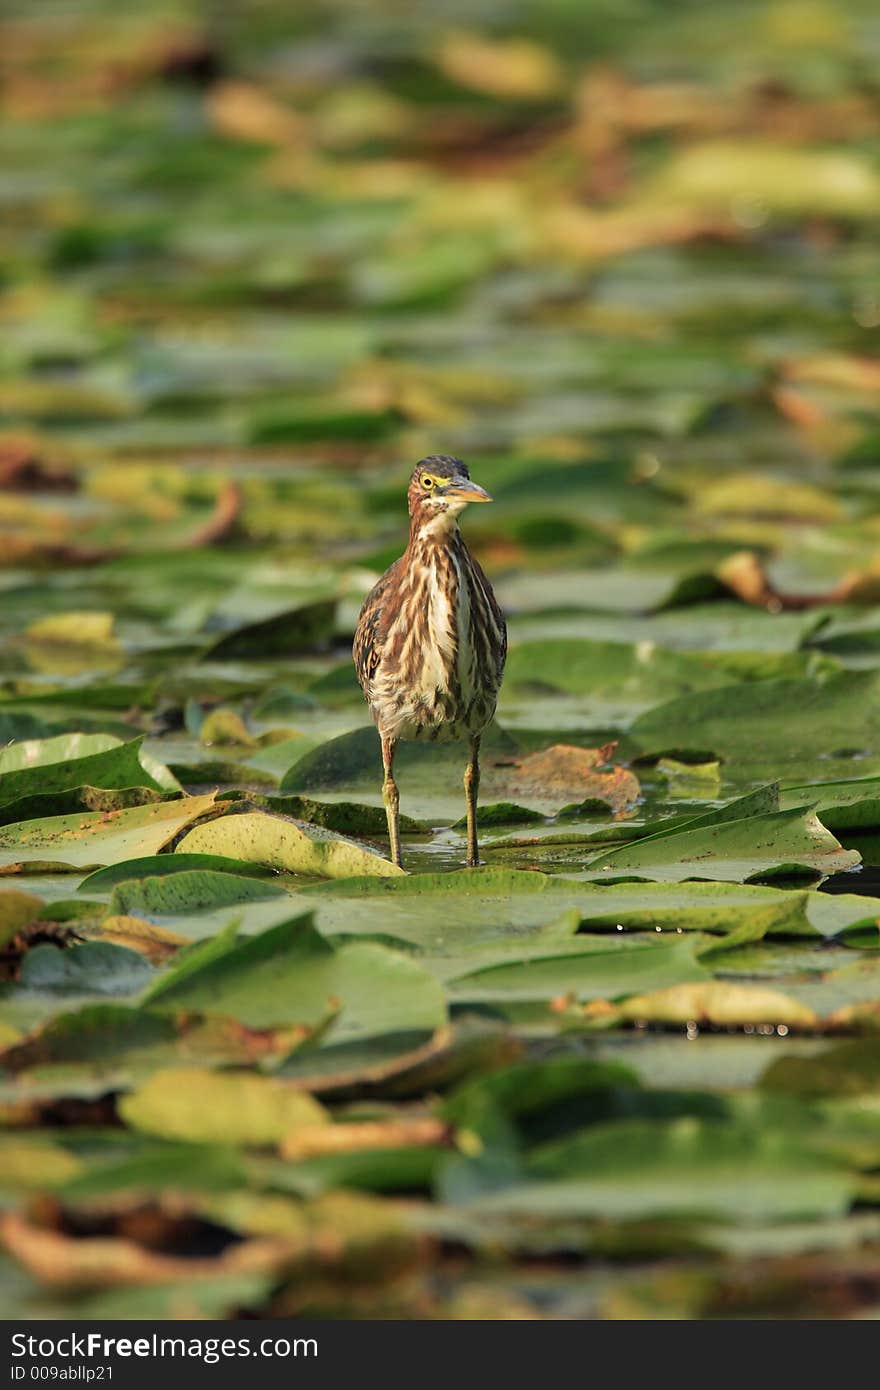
431	640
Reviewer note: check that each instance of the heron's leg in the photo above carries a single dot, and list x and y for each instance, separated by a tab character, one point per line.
472	791
392	799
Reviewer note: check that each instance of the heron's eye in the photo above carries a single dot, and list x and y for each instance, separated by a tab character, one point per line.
428	483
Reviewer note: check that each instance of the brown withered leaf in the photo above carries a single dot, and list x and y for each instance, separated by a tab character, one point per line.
105	1262
744	574
223	523
24	468
565	773
836	369
855	1018
596	235
244	112
798	408
33	933
449	1055
22	551
154	943
122	1241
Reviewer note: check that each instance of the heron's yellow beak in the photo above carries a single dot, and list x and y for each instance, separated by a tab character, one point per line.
466	491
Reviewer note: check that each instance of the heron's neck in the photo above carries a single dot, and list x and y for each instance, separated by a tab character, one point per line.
438	530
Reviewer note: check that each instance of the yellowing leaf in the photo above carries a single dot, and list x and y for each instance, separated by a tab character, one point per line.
33	1161
727	174
91	840
751	494
224	727
74	629
718	1002
515	68
203	1106
66	643
16	911
259	838
155	943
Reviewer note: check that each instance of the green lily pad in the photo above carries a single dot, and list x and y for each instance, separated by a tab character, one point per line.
50	765
343	817
94	967
103	1047
726	908
296	630
685	1167
781	844
201	902
39	806
641	673
846	1069
292	975
852	804
779	723
585	972
160	865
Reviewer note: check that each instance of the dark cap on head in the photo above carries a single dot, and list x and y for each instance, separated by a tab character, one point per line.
442	466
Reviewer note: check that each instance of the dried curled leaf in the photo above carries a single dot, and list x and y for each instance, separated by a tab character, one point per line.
155	943
565	773
106	1262
406	1132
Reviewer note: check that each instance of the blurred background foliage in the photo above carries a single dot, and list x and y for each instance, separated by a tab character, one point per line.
255	260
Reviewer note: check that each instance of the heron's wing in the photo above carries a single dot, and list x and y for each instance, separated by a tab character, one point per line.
375	619
497	617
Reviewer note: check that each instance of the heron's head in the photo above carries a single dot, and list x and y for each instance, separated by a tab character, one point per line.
440	488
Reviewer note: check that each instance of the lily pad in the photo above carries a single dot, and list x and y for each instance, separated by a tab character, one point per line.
853	804
582	973
97	838
296	630
781	844
93	968
780	723
686	1166
102	1047
160	865
200	902
203	1106
39	806
279	843
292	975
639	674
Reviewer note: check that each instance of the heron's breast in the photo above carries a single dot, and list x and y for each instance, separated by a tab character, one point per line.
432	682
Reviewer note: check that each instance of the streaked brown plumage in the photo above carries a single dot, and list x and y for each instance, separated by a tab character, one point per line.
431	640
